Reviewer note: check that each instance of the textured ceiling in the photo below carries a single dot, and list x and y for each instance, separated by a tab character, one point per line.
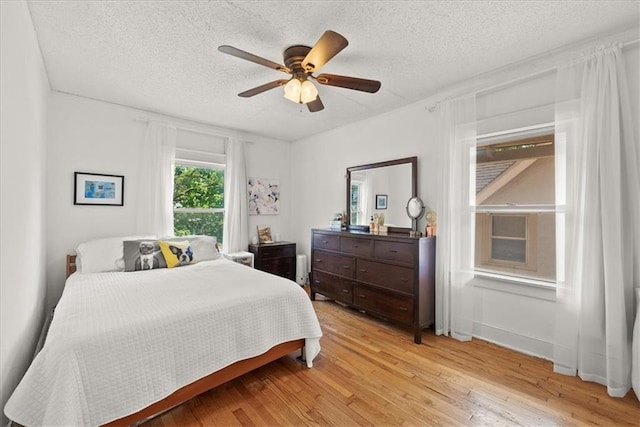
162	56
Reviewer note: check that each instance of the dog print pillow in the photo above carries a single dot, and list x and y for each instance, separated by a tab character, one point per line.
177	253
144	254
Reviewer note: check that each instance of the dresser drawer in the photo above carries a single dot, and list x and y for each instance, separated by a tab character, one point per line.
388	276
330	242
332	263
355	246
277	251
392	307
395	251
280	266
338	288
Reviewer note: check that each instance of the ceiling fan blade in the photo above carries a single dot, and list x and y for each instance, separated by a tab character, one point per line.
230	50
354	83
315	105
328	46
262	88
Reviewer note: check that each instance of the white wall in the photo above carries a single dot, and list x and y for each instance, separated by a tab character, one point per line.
93	136
515	316
23	111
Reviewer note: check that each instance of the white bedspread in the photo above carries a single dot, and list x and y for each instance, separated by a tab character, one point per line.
121	341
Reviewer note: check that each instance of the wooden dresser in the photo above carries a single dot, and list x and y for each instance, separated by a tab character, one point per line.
276	258
389	276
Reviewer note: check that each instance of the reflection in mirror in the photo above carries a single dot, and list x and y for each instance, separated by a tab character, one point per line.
395	179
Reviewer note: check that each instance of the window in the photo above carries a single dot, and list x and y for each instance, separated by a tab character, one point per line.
515	207
356	203
198	199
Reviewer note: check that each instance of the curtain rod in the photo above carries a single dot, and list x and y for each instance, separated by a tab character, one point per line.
188	128
526	77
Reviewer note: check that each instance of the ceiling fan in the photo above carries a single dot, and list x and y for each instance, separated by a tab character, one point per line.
301	62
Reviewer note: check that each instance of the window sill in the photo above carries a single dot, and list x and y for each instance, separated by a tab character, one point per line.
515	285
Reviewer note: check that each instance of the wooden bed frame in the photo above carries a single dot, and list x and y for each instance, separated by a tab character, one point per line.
204	384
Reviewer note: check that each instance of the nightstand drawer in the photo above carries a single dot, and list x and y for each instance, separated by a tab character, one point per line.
276	258
277	251
280	266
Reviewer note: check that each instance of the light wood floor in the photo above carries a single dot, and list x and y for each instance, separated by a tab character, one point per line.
369	373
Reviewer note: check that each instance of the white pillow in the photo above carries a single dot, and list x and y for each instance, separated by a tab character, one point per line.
101	255
204	247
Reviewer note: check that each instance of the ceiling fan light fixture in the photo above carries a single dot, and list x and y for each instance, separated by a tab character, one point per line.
308	92
292	90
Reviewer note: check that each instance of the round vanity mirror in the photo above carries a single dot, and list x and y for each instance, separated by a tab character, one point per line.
415	208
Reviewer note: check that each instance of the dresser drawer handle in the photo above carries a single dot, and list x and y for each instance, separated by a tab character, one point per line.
393	251
355	246
404	280
266	266
317	282
362	296
346	291
363	270
318	260
403	308
325	241
346	267
266	253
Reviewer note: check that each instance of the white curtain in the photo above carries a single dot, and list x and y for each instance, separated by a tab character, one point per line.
456	218
155	180
236	214
598	234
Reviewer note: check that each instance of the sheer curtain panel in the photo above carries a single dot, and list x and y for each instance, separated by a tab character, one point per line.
155	180
597	223
456	218
236	214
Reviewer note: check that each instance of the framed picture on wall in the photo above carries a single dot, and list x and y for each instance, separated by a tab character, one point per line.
381	201
98	189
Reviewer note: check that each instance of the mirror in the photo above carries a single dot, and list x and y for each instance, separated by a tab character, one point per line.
415	208
382	188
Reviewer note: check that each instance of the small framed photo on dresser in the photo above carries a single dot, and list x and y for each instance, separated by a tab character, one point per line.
264	234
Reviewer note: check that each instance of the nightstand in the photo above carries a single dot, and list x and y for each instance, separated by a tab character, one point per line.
241	257
276	258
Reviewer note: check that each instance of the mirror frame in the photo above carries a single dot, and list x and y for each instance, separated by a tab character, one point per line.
414	188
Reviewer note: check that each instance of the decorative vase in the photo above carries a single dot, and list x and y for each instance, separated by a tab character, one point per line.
431	230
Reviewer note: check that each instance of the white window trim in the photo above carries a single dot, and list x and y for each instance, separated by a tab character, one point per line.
199	164
494	138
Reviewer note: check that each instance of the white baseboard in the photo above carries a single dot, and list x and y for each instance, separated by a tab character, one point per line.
514	341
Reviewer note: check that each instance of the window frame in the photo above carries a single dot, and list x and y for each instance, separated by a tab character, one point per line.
202	165
531	211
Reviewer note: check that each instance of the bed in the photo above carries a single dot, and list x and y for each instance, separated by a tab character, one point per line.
124	346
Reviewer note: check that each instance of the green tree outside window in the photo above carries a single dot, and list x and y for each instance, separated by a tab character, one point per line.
198	201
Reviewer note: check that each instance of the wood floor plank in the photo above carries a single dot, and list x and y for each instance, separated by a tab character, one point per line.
371	373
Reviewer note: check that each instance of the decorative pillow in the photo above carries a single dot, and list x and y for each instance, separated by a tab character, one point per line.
101	255
143	254
177	253
204	246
